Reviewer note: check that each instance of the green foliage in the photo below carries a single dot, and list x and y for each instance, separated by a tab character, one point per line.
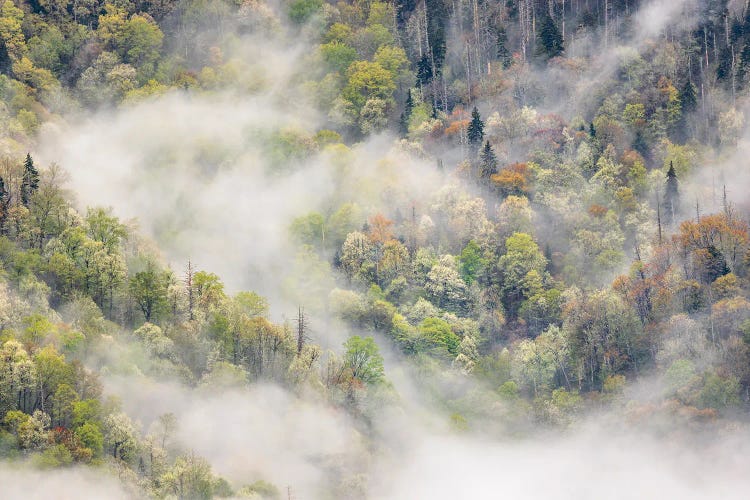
719	392
55	456
149	289
91	437
472	262
436	336
363	358
301	11
338	56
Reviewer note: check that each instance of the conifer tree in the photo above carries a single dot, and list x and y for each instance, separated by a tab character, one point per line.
503	54
688	98
30	180
744	62
489	162
406	114
475	132
4	204
550	39
671	196
424	71
688	104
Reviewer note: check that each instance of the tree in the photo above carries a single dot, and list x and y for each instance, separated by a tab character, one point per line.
4	205
91	437
471	262
355	252
11	33
106	228
18	378
522	258
438	337
444	285
30	180
300	11
149	289
475	131
406	114
120	436
671	196
368	80
489	162
363	358
424	70
550	39
688	98
503	54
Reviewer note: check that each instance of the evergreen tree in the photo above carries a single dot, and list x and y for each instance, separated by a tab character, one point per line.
688	103
744	64
4	204
671	196
688	98
30	181
724	68
475	132
489	162
406	114
503	54
714	265
424	70
640	145
550	39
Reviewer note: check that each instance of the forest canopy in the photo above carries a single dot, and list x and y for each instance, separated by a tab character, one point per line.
320	249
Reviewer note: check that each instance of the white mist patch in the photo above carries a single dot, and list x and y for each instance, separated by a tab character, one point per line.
655	16
263	432
586	465
17	482
189	170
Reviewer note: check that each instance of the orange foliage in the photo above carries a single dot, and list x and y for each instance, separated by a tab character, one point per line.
513	179
456	127
597	211
630	158
380	229
728	234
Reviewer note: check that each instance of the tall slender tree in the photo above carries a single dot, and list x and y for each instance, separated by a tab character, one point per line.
489	162
406	114
671	196
4	205
475	131
30	180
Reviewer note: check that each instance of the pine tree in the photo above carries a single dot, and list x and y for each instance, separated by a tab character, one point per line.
688	103
4	204
503	54
550	39
489	162
688	98
475	132
744	63
30	181
671	196
406	115
641	146
424	71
